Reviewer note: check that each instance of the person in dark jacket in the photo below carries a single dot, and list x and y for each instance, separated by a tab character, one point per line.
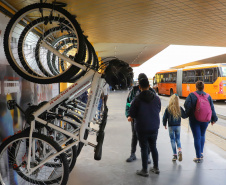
132	94
198	128
145	110
173	114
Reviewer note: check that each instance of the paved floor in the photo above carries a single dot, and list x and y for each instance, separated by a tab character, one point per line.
113	170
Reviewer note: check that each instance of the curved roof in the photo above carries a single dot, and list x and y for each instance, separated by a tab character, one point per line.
135	31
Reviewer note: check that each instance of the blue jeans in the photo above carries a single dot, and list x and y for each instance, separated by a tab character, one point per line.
99	107
174	133
145	141
198	130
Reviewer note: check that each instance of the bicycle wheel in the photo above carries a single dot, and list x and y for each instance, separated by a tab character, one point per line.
88	60
55	65
21	56
71	154
50	35
67	45
13	161
80	144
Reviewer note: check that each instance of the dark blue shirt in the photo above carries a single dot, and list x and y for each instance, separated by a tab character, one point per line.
145	110
171	120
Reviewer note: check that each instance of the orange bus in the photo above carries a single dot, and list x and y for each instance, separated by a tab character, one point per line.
182	81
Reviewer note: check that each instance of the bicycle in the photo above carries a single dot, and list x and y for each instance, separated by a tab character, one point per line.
32	154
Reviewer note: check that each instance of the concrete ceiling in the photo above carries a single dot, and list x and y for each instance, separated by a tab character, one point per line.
136	30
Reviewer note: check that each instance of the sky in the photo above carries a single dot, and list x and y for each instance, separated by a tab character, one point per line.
175	55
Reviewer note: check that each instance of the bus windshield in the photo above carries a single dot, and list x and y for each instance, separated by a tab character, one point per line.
224	71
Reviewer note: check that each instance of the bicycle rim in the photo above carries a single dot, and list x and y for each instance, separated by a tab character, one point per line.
22	57
13	161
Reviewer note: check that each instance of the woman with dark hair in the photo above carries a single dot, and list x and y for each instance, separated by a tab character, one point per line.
197	123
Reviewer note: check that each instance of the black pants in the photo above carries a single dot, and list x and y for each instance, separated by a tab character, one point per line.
146	141
134	138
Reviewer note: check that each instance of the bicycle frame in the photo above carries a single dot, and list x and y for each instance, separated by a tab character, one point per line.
91	80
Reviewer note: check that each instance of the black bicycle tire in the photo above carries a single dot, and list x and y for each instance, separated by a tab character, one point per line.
48	53
98	149
74	148
64	53
76	69
37	48
95	58
90	55
75	153
21	40
80	145
25	134
27	76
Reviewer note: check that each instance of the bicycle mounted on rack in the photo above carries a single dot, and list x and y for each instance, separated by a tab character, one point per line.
55	132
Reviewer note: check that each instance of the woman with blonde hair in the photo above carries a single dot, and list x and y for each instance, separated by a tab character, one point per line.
173	114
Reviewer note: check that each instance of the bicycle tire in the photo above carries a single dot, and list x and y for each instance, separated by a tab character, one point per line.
98	149
89	54
10	145
71	154
74	148
80	145
50	62
16	65
59	47
28	29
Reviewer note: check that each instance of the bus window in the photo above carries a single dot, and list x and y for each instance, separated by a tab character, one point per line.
158	78
184	79
224	71
199	74
174	78
208	78
170	77
215	76
162	79
190	76
166	76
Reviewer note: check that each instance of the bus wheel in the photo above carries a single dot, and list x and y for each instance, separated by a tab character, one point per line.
171	92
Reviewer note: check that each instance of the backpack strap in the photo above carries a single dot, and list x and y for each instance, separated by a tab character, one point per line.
196	94
207	95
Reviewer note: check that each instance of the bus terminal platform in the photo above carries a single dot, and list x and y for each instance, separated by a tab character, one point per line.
114	170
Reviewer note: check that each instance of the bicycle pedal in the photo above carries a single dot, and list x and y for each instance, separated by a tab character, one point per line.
11	104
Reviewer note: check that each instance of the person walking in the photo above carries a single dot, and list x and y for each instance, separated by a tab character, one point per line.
132	94
173	114
200	109
145	110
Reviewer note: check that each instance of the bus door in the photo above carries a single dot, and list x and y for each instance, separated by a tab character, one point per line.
179	82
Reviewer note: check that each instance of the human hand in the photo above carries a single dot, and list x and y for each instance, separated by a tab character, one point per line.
129	119
212	123
165	127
